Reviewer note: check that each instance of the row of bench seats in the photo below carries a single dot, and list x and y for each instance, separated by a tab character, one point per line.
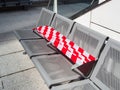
55	68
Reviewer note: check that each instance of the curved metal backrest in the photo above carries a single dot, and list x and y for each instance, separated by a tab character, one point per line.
107	70
45	17
91	41
62	24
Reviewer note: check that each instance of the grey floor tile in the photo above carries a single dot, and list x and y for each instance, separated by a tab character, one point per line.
10	46
27	80
7	36
15	20
28	86
14	62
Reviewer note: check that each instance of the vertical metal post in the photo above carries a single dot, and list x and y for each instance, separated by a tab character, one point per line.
55	6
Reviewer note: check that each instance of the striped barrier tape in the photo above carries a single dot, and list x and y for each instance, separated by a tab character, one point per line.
76	54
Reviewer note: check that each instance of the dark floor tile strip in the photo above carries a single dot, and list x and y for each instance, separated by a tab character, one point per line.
12	53
17	72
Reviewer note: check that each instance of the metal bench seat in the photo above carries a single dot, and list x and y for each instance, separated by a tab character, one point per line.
106	75
26	35
55	69
44	19
47	64
42	62
61	24
37	47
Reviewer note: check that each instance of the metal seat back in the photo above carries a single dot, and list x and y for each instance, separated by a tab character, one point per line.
45	17
107	74
91	41
62	24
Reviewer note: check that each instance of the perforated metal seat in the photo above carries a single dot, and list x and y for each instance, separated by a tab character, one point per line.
26	35
107	74
37	47
57	22
62	62
55	69
44	19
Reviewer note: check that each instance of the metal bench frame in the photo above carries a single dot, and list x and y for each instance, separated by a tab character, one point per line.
72	81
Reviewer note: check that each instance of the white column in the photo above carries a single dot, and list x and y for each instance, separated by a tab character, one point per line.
55	6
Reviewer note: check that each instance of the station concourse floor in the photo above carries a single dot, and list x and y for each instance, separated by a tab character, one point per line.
17	71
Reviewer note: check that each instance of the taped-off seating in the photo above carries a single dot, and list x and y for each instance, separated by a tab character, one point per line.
67	47
106	75
56	69
45	18
78	44
38	46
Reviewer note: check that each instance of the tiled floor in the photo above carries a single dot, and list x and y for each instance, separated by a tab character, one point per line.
26	80
17	71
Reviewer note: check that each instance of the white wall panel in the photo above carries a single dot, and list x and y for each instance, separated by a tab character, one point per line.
108	15
106	32
84	19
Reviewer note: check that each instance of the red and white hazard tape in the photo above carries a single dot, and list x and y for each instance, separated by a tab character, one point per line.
66	46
